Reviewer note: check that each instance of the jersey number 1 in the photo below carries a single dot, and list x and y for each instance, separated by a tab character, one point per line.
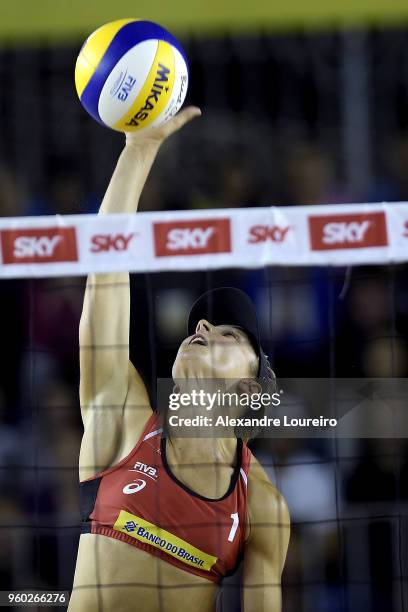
235	523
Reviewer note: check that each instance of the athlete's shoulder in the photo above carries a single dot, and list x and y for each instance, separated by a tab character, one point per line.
264	499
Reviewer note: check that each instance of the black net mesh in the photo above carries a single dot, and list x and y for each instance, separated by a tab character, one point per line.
347	497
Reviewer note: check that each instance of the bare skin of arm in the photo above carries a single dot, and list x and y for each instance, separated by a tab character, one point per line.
106	372
267	544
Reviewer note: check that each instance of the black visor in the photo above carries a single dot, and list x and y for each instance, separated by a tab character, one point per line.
229	306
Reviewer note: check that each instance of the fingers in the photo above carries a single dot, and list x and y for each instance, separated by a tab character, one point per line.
183	117
159	134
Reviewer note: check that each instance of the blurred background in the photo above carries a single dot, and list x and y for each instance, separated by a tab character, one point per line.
302	104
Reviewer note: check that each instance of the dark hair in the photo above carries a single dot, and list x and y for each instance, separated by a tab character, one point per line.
268	385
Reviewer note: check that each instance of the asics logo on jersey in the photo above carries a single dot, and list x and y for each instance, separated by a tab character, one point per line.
134	487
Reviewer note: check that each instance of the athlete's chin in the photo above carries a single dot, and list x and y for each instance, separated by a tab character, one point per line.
186	366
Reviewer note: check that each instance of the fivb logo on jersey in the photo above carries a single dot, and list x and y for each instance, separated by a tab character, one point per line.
138	484
39	245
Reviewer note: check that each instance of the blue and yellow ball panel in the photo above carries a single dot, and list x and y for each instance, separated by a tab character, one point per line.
93	50
160	69
155	93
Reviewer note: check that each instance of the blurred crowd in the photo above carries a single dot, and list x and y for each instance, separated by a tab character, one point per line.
345	499
293	173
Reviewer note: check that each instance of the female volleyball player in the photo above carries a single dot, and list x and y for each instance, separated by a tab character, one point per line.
164	521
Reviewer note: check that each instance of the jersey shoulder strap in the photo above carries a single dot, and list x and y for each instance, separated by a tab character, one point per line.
88	489
150	429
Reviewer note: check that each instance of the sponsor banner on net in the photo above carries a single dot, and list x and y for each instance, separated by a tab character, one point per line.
348	231
397	221
344	408
248	238
192	237
116	242
39	245
272	235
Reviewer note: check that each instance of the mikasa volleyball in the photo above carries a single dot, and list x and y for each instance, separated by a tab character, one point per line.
131	74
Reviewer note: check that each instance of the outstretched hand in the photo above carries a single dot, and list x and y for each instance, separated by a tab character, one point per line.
159	134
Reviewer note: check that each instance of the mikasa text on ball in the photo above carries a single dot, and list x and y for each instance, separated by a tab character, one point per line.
131	74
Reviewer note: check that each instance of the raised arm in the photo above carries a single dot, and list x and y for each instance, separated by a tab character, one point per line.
267	544
104	327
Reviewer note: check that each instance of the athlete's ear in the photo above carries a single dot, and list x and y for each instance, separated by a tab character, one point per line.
249	386
176	388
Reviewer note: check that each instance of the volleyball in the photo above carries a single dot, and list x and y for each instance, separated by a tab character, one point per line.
131	75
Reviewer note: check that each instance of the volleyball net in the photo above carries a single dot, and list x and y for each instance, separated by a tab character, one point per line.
339	235
330	287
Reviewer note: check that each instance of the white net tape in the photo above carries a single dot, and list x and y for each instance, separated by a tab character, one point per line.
347	234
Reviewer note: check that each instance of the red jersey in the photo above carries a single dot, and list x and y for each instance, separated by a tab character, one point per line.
139	501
